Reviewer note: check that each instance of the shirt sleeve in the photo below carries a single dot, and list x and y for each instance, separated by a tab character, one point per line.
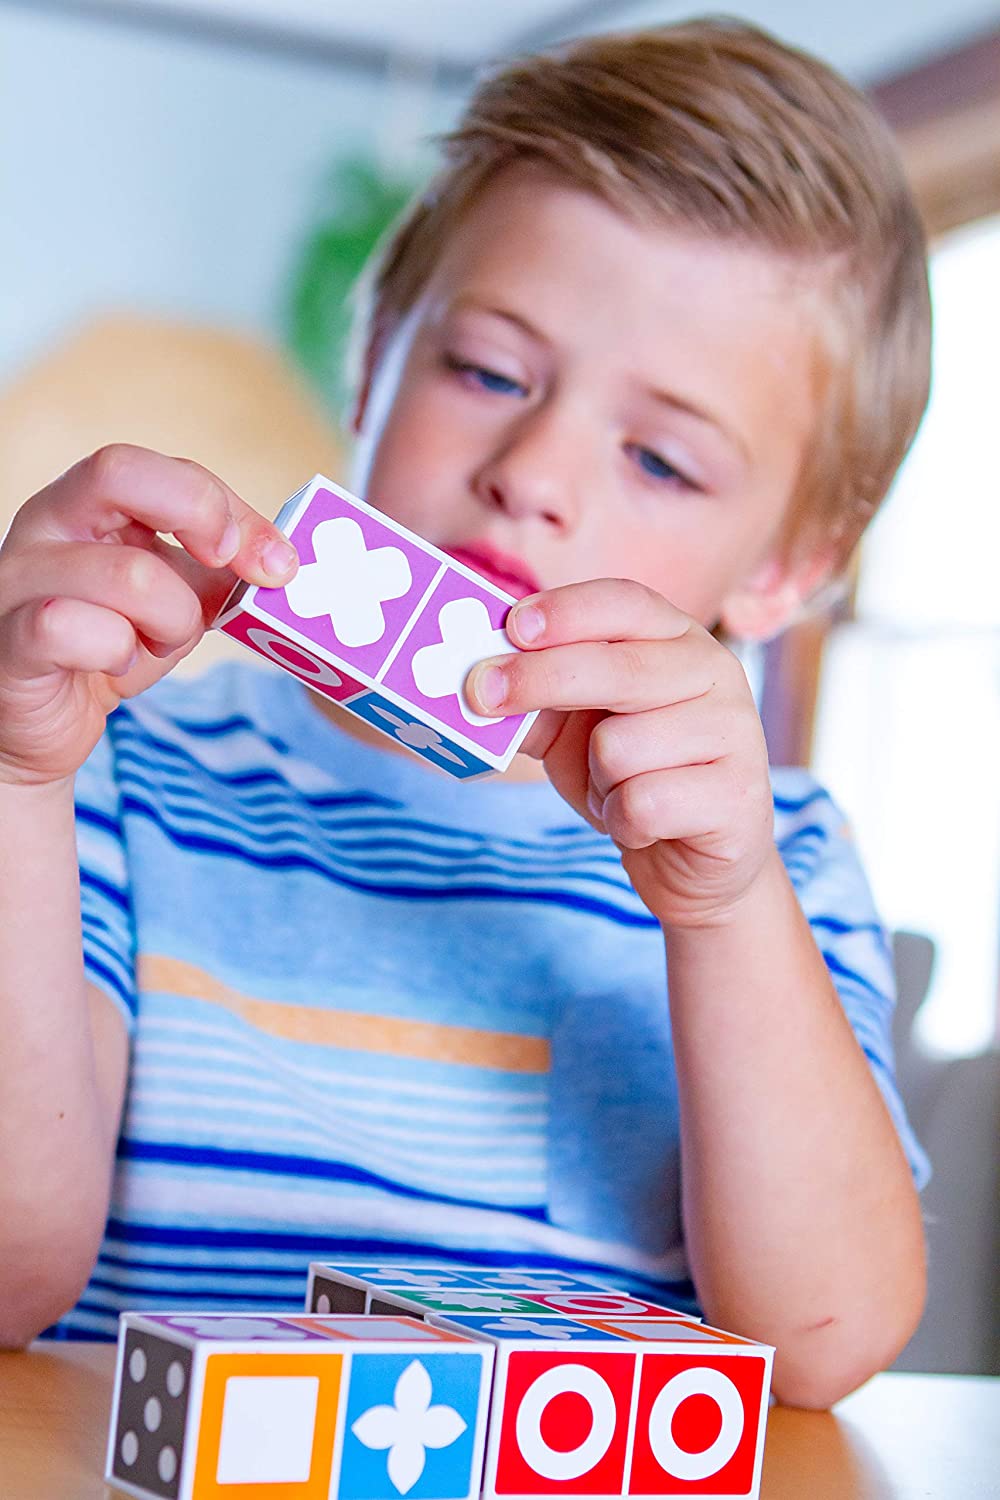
105	898
815	843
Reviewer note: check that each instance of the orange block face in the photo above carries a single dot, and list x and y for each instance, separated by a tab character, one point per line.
370	1326
270	1416
679	1329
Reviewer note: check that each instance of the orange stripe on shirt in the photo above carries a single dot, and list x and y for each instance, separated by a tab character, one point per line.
354	1030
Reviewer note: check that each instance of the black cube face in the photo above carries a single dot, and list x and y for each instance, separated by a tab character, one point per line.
155	1388
337	1297
393	1309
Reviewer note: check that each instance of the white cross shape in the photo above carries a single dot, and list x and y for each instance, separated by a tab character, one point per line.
467	636
349	583
418	737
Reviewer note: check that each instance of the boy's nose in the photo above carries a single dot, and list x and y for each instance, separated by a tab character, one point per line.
535	470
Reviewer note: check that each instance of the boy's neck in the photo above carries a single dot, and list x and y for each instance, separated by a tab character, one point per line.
522	767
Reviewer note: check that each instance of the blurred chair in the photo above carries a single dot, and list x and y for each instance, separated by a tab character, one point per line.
954	1107
225	399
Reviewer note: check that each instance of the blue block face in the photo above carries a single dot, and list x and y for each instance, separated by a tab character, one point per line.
523	1326
527	1281
430	743
408	1277
411	1427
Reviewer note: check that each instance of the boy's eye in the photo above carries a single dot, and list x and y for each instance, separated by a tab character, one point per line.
490	380
657	467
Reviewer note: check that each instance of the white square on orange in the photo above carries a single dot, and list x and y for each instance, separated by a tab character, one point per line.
268	1422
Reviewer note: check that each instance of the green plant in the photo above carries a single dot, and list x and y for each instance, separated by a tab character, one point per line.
364	203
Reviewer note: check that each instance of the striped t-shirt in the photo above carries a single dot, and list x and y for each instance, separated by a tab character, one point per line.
376	1011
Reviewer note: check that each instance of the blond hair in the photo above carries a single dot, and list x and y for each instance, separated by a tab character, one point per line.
720	128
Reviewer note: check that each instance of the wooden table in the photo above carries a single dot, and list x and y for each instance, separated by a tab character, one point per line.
904	1436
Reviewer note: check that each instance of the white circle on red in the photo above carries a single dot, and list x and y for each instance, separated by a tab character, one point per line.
606	1306
267	642
676	1460
553	1463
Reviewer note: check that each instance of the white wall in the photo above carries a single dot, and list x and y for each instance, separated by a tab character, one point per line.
169	176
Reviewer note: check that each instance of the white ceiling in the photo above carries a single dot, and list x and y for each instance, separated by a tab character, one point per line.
865	40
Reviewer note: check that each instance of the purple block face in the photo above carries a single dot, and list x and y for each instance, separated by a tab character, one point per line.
460	625
358	585
232	1327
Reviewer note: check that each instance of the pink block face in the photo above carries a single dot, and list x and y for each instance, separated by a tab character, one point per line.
460	625
358	586
267	642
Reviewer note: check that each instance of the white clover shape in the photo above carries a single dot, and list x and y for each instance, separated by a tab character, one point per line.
409	1426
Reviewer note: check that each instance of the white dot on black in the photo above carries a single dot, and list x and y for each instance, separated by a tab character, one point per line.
166	1464
323	1303
152	1414
175	1378
129	1448
137	1365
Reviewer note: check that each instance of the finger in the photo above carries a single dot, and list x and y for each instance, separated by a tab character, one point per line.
131	581
69	635
121	484
599	609
623	676
694	732
686	803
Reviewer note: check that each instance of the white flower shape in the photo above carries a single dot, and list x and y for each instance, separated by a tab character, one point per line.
409	1426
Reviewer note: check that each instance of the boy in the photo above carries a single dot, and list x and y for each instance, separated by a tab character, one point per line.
648	353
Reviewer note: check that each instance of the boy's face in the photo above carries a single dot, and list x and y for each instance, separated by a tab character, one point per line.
576	396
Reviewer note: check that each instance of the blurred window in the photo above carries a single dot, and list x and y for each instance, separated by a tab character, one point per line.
907	735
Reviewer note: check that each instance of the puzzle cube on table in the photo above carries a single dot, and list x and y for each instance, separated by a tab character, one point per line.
223	1406
595	1392
386	625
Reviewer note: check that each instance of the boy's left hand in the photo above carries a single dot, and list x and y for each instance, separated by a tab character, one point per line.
649	730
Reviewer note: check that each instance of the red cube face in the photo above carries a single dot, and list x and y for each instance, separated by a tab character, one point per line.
565	1424
697	1424
603	1305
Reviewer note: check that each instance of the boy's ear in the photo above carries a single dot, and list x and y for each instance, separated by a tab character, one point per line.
760	607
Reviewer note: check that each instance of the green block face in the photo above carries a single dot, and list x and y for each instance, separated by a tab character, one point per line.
474	1302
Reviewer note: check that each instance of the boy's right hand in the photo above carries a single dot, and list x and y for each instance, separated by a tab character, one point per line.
95	606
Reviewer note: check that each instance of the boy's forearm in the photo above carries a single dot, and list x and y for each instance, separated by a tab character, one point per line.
55	1151
802	1223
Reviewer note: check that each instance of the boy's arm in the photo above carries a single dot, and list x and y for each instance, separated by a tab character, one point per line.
95	606
800	1215
799	1209
62	1081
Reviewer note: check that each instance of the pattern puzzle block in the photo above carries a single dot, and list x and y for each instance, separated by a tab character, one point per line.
595	1392
385	624
229	1405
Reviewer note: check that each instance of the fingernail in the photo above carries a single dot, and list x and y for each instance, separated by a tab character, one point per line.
528	622
277	557
490	686
229	543
596	806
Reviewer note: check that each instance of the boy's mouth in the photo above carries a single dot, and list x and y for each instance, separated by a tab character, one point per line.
506	571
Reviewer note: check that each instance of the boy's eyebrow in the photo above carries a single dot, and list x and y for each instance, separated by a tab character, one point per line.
664	398
689	408
472	304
